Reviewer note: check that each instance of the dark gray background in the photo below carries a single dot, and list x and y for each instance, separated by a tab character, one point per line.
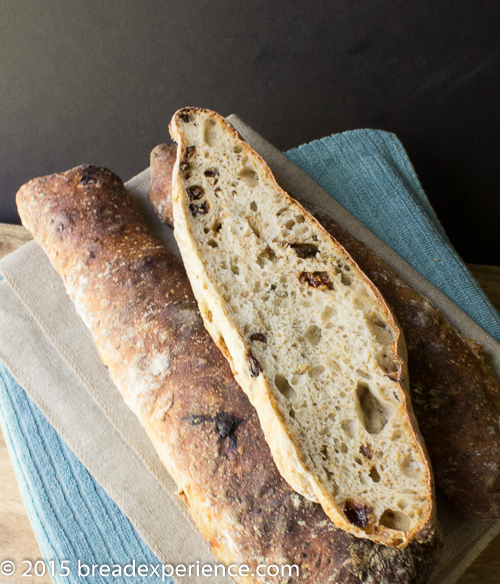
98	80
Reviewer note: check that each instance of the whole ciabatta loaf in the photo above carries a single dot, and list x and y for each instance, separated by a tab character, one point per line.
456	396
135	298
309	338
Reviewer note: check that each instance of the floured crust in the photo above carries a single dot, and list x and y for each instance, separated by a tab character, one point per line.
135	298
198	203
455	395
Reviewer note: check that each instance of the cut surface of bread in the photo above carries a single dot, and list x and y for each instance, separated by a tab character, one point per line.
309	338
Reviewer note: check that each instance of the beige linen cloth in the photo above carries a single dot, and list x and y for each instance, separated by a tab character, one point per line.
49	351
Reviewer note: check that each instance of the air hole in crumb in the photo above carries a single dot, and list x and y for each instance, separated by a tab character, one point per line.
289	224
238	148
283	386
253	206
324	452
344	448
210	132
299	218
328	312
206	230
333	366
281	211
313	335
374	414
386	363
379	329
363	374
235	269
333	485
207	313
316	371
253	226
345	280
212	243
216	227
266	255
375	477
395	520
410	468
249	176
349	427
396	435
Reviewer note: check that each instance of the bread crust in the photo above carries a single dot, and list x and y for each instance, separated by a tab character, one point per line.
162	161
455	394
286	454
135	298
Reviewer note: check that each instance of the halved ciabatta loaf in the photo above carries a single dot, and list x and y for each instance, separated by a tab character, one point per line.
308	336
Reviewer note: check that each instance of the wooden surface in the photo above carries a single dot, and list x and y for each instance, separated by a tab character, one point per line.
17	540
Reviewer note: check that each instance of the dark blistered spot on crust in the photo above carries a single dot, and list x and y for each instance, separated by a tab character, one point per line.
305	250
185	115
90	175
253	365
356	513
201	209
315	279
225	425
261	337
195	192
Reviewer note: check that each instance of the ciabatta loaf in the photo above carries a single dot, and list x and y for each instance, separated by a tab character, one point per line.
309	338
135	298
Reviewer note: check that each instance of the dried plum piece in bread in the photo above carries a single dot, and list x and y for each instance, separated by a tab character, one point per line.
134	296
309	338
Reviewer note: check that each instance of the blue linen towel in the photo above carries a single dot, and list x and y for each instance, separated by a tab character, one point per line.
369	173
